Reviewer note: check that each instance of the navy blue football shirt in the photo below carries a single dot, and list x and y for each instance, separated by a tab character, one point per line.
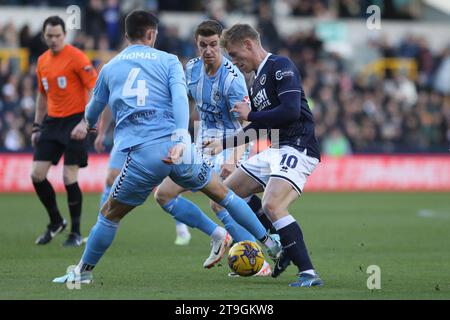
278	102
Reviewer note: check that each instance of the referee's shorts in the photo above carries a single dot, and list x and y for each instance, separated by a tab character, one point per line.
54	141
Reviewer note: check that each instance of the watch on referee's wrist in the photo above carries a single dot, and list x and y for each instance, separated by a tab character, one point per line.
36	127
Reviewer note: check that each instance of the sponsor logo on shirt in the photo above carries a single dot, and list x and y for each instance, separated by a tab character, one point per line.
285	73
261	100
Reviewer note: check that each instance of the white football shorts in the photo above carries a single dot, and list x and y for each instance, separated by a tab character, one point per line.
286	163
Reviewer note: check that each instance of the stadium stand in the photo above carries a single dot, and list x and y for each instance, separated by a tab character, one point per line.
398	101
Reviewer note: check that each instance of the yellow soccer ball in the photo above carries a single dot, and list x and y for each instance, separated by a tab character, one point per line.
246	258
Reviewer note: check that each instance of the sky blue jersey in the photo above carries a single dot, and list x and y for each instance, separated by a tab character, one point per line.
137	86
215	96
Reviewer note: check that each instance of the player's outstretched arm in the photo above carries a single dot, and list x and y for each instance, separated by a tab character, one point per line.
180	105
181	134
98	100
93	110
103	124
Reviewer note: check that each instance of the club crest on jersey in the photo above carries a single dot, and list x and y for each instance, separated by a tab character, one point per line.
216	96
62	82
262	81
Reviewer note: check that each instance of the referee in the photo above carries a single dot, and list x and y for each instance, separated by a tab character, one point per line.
65	79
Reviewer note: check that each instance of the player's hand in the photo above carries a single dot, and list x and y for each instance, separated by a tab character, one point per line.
175	154
80	131
226	169
98	143
242	109
35	138
212	147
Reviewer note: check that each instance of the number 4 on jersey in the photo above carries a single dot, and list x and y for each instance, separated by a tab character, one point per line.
140	92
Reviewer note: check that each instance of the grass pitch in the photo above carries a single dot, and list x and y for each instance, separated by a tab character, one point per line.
406	234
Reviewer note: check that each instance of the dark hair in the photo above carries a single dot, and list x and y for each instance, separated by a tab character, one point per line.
138	22
54	21
208	28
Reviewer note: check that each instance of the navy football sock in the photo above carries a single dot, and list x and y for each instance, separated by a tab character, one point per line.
291	237
256	205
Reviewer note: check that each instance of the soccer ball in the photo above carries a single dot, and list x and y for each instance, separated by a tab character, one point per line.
246	258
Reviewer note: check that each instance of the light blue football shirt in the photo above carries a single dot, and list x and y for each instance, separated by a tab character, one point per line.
215	96
136	85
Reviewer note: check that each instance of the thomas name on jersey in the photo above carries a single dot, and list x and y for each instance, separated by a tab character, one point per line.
138	55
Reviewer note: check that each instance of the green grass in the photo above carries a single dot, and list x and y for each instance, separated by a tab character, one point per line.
345	232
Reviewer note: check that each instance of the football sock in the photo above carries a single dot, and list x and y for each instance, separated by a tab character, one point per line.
181	228
185	211
75	201
310	271
218	233
46	194
268	241
99	240
254	202
243	215
264	219
105	195
291	237
237	232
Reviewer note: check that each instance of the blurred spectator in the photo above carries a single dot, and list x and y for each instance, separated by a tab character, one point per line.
349	8
25	37
8	36
405	91
267	29
14	139
302	8
112	17
241	6
336	144
37	47
95	24
442	79
215	10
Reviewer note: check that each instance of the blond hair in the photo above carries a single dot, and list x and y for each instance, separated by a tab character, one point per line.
238	33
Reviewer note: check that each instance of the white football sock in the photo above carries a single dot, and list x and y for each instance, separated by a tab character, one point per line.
218	233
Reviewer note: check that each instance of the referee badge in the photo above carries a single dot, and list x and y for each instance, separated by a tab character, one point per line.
62	82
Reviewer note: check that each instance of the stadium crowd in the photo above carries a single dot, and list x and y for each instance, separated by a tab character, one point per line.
354	113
